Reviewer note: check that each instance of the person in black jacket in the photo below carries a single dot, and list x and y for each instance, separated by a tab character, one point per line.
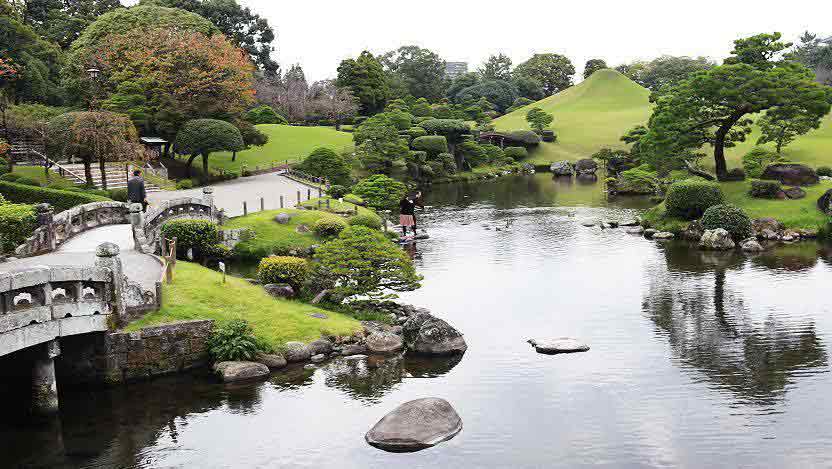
136	192
407	211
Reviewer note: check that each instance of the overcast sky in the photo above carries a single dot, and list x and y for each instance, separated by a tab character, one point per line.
319	34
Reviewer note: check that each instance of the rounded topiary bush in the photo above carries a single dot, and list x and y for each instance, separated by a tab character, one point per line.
283	269
516	153
337	191
329	226
199	235
730	218
432	144
824	171
369	220
690	198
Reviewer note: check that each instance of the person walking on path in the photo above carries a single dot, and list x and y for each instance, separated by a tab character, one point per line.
136	192
407	211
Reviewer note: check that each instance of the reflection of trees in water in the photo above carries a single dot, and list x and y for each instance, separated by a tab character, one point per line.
710	329
368	379
793	257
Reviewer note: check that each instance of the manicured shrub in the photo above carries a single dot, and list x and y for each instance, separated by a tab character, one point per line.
401	120
730	218
824	171
473	153
26	180
325	163
11	177
370	220
218	252
199	235
639	180
283	269
527	138
495	153
337	191
60	200
17	222
264	115
184	184
764	189
415	132
329	226
233	341
379	191
448	162
690	198
516	153
755	161
119	195
432	144
354	199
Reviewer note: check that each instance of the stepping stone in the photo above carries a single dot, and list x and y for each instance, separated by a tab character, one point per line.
559	345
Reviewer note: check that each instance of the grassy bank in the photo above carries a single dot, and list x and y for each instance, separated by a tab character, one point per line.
797	214
198	293
272	237
286	143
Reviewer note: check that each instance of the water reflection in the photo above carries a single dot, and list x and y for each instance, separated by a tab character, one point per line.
756	355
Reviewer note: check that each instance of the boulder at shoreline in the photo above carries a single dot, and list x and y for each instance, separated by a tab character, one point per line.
415	425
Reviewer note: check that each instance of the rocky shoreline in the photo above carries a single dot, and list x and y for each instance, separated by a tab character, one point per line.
412	330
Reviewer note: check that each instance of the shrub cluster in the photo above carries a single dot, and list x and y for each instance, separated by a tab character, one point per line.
283	269
764	189
329	226
264	115
526	137
824	171
199	235
370	220
326	163
516	153
432	144
755	161
730	218
688	199
337	191
17	222
380	191
60	200
14	177
119	195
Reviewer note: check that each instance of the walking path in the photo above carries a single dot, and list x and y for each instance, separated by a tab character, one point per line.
230	195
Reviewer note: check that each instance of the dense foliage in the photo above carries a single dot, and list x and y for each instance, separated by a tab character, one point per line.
755	161
362	261
516	153
329	226
35	62
380	191
17	222
730	218
264	114
365	77
233	341
283	269
688	199
326	163
201	137
538	119
431	144
198	235
60	200
592	66
370	220
553	71
498	92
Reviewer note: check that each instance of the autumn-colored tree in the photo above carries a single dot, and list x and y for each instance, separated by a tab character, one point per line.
175	75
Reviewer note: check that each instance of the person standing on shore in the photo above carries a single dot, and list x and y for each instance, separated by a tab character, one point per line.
136	192
407	211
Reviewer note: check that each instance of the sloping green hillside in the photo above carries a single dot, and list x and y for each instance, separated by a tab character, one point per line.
286	142
588	116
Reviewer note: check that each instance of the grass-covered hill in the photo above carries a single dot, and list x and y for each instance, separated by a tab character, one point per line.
588	116
286	142
596	112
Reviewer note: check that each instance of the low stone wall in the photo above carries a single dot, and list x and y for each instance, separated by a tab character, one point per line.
123	357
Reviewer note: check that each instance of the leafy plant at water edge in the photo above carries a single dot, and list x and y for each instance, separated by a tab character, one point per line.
233	341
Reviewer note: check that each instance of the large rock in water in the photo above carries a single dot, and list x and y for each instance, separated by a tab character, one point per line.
320	346
427	334
586	166
791	174
383	342
716	240
560	345
230	372
562	168
297	352
273	361
415	425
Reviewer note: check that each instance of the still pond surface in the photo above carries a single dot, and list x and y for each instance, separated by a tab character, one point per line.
697	360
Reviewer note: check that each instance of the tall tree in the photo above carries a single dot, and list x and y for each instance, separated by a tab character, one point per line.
246	29
592	66
201	137
664	71
421	70
553	71
106	136
714	106
782	125
334	103
293	99
61	21
497	67
815	54
528	88
365	77
36	60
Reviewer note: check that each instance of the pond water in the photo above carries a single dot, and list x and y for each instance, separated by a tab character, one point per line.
698	359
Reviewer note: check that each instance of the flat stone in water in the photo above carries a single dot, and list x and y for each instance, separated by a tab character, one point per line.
588	223
559	345
415	425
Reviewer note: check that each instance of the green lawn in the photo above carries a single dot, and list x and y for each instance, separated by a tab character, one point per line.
588	116
801	213
37	173
286	143
198	293
272	237
335	206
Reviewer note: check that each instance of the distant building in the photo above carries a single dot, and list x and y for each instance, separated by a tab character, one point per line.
455	69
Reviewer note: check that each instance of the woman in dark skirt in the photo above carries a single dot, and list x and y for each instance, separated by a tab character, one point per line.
407	209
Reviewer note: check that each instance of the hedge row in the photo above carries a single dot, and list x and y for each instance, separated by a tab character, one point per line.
60	200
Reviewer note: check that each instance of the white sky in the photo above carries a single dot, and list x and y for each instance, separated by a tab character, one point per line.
318	35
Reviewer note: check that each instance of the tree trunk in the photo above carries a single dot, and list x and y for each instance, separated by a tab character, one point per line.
205	168
102	167
233	155
188	164
337	124
88	172
719	144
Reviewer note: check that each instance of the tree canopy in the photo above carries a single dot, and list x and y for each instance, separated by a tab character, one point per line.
592	66
553	71
422	71
365	77
497	67
498	92
36	61
663	71
201	137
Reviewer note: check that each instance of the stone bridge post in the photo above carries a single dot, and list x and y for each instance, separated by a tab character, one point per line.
107	254
45	219
208	199
137	224
44	385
